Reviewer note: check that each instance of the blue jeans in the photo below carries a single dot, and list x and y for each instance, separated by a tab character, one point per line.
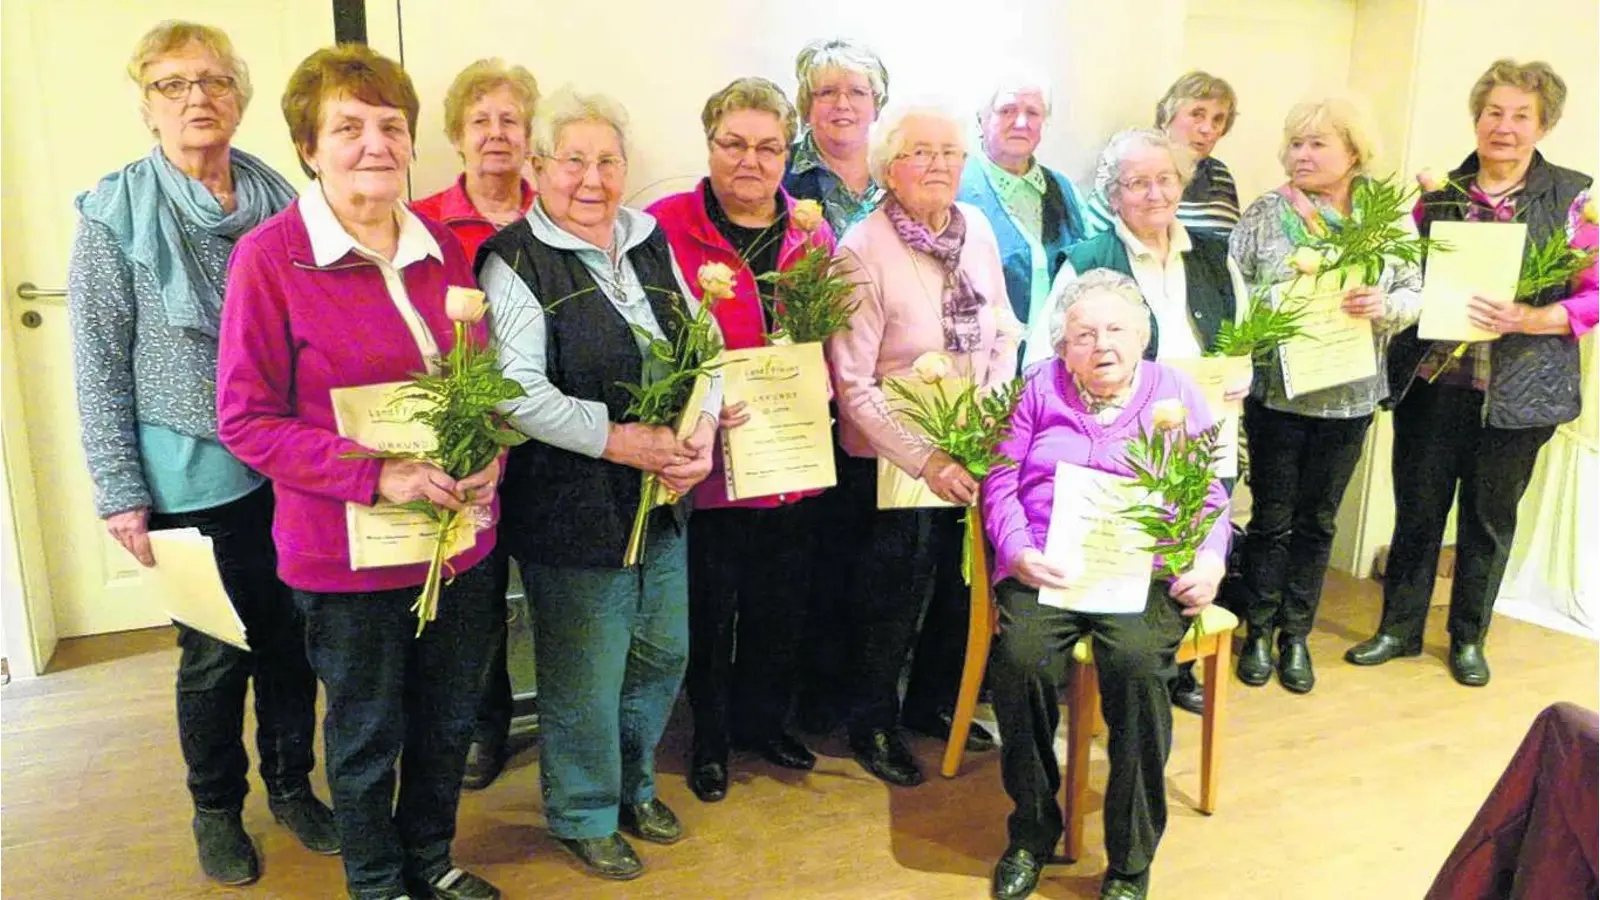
392	695
612	648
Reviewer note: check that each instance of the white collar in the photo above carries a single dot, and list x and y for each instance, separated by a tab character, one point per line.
1177	237
331	243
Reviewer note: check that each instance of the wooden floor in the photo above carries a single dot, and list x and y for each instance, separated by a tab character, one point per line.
1357	790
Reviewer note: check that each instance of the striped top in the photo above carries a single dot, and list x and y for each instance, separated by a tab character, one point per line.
1209	205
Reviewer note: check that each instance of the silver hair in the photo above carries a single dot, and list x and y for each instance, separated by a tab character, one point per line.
888	135
566	107
1121	146
1093	283
1015	81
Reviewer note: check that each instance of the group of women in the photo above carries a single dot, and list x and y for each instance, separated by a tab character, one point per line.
219	415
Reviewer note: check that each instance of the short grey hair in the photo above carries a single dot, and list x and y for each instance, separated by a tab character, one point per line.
1197	85
1093	283
757	94
1536	78
888	136
568	107
1016	81
838	53
1122	145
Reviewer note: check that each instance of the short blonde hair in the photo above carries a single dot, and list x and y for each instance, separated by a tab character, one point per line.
343	70
1536	78
484	77
888	138
566	107
838	53
750	93
1108	170
1093	283
174	35
1196	85
1344	116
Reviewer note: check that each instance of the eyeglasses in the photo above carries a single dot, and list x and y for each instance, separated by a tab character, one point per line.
177	87
576	166
736	149
1167	181
922	157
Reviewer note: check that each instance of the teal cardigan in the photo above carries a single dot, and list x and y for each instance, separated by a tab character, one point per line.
1063	227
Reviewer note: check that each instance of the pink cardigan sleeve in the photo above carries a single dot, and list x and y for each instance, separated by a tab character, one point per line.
1582	306
1004	519
256	418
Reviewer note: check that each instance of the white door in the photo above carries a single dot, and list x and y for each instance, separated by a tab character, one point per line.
71	116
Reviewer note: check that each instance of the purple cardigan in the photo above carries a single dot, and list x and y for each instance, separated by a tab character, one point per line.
291	332
1050	426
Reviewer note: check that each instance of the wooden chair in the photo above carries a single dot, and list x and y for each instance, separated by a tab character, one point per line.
1210	639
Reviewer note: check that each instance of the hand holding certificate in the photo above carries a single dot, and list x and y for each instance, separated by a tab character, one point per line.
185	577
787	444
1101	552
1334	347
1484	260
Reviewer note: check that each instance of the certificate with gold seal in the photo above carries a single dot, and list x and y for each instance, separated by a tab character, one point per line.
787	446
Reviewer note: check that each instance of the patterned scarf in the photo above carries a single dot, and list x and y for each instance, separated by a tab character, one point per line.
961	301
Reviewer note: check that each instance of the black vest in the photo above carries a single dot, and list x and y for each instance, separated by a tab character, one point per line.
560	508
1205	273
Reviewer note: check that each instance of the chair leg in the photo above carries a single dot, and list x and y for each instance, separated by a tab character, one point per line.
980	636
1218	671
1080	732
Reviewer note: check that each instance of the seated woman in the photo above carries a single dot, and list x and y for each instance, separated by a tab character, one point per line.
1082	408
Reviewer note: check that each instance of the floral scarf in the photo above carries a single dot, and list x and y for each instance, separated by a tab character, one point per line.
960	301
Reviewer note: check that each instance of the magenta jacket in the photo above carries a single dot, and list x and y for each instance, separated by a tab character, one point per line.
1583	307
1051	426
695	241
291	332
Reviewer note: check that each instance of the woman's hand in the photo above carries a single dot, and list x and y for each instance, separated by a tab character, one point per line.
1365	303
734	416
132	531
1498	316
1196	588
681	478
405	480
479	487
650	448
1240	390
949	479
1033	570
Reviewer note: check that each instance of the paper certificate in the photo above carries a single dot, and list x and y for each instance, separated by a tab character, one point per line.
1336	348
186	579
1100	551
787	446
896	488
1482	259
387	534
1214	376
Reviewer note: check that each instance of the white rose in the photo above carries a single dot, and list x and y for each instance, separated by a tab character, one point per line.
933	367
1429	181
464	304
1168	415
1306	260
716	280
806	215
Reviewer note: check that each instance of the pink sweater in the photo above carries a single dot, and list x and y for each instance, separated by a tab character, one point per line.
899	319
1583	307
291	332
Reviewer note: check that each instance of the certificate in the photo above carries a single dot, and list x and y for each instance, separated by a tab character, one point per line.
1100	551
896	488
186	579
787	446
1336	348
387	534
1483	259
1214	376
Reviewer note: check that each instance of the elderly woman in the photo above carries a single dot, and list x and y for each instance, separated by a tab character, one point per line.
346	288
1477	425
1082	408
488	116
573	285
152	248
842	89
1036	212
1303	449
929	280
749	560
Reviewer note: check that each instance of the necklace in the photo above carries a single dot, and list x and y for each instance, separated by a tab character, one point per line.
1497	195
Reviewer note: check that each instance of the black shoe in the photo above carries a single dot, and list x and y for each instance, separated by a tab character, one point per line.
651	821
1015	875
609	857
784	751
226	854
1468	665
884	754
307	819
1186	692
1255	661
1380	648
485	761
938	726
1117	886
1294	664
456	884
709	780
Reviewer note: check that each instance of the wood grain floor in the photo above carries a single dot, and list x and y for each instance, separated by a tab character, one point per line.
1358	790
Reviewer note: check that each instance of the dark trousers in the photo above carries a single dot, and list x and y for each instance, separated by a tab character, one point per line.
911	560
393	696
213	676
1299	469
841	532
748	587
1440	444
495	709
1134	660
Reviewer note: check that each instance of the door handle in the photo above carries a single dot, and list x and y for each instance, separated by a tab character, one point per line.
29	291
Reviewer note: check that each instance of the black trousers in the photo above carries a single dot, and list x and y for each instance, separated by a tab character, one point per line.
1299	469
1133	657
213	676
748	586
841	533
1441	445
909	562
496	708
